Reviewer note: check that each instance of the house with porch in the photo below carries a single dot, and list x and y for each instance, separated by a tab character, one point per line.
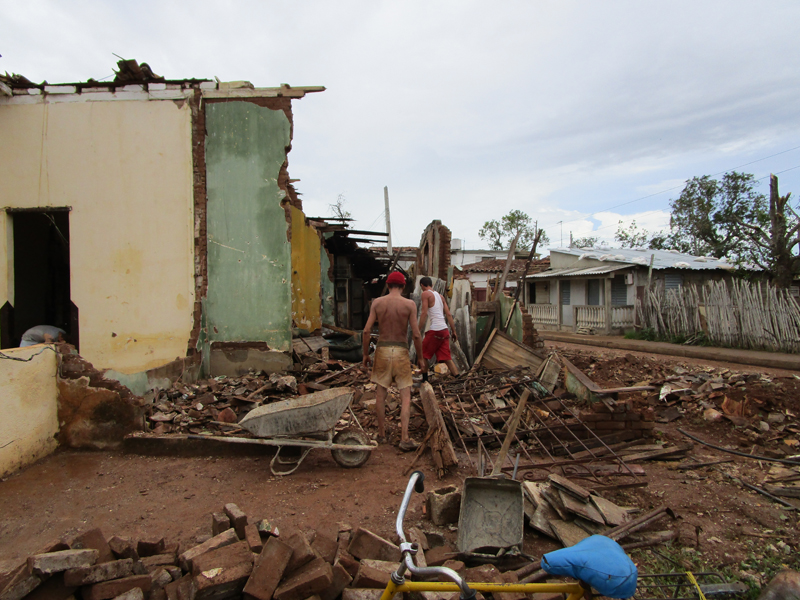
597	288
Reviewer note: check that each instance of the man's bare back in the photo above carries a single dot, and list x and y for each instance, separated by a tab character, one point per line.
394	314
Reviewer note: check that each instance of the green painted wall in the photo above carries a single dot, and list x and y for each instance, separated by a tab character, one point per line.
249	256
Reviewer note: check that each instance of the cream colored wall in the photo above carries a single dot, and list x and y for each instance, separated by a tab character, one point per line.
125	168
29	405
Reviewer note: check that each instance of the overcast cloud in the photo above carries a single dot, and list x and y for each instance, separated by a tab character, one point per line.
579	113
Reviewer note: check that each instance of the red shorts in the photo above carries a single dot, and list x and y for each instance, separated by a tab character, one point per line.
438	343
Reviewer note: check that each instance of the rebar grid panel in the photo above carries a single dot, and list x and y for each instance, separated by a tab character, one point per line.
678	586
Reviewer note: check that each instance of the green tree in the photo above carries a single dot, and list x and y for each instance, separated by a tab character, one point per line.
636	237
590	241
499	234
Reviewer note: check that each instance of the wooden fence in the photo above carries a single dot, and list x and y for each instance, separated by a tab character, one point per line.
736	314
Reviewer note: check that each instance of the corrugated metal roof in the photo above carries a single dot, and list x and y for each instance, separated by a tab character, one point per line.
579	272
662	259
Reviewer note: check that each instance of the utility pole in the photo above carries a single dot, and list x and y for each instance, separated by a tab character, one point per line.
561	243
388	220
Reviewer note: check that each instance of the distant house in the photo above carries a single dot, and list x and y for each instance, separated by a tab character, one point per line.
597	288
485	274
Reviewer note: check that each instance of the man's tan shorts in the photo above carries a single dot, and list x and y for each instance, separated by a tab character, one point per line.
391	363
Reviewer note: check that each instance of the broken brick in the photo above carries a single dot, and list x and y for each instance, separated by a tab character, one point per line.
151	547
325	546
53	588
94	539
19	583
238	519
159	560
340	579
436	557
253	538
350	564
222	558
312	578
97	573
219	523
366	544
123	547
116	587
133	594
218	541
181	589
227	415
268	570
374	573
302	552
223	582
158	579
54	562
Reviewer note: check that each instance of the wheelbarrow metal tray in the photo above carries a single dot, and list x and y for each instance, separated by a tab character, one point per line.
491	515
304	415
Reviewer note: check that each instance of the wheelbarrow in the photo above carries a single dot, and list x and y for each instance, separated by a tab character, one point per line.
305	422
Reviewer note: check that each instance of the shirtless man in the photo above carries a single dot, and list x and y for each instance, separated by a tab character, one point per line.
394	314
437	338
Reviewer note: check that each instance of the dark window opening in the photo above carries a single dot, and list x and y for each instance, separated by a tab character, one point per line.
619	291
565	293
593	292
41	274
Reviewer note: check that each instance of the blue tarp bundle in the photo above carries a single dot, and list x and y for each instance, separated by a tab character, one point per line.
599	561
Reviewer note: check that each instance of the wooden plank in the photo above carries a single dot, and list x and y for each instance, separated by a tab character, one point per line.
612	514
504	352
568	534
549	373
587	510
575	490
553	498
663	453
534	492
444	455
580	376
543	516
511	432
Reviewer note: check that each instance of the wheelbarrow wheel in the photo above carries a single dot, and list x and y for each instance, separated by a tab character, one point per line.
350	459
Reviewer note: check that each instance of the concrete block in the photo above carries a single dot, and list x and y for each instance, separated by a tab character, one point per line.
219	523
340	579
221	583
253	538
218	541
182	589
436	557
223	558
151	547
159	560
116	587
55	562
366	544
374	573
312	578
97	573
268	570
133	594
94	539
302	552
238	519
53	588
123	548
444	505
325	546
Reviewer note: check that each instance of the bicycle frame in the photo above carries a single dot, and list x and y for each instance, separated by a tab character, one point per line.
398	583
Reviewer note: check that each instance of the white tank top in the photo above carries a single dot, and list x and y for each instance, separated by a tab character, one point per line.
436	320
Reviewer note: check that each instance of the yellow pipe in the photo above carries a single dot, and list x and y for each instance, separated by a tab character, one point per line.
574	590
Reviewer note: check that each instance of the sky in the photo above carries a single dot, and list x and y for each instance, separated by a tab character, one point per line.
581	114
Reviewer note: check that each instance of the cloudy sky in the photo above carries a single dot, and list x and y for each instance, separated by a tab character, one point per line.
581	114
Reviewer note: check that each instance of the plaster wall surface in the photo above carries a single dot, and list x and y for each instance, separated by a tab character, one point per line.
125	169
306	274
249	252
29	405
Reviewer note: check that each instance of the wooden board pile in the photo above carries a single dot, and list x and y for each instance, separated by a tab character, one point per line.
240	559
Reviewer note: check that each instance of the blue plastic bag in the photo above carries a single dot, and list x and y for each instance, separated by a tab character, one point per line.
599	561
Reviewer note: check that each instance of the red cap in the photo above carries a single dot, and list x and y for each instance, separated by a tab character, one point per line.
395	277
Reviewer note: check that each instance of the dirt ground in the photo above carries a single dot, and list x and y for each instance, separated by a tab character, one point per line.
148	497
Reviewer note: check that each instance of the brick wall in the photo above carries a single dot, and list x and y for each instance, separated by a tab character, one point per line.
602	420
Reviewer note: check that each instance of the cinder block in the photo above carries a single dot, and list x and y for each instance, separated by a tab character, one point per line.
268	570
302	552
55	562
312	578
238	519
116	587
374	573
366	544
94	539
219	523
115	569
123	548
444	505
218	541
253	538
340	579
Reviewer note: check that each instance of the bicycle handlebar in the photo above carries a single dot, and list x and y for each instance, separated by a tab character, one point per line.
416	483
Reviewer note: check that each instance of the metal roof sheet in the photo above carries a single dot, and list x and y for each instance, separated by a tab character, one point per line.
579	272
662	259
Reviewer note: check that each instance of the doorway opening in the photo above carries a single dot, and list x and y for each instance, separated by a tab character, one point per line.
41	274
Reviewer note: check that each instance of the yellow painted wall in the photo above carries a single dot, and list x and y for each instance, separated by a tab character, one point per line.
305	273
125	168
29	405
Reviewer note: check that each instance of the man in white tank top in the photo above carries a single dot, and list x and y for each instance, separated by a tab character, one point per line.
437	338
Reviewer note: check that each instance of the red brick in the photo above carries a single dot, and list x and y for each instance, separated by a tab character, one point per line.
609	425
253	538
349	563
111	589
219	523
55	562
94	539
325	546
238	519
222	558
509	577
218	541
340	580
374	573
123	548
366	544
227	583
53	588
151	547
19	583
268	570
312	578
436	557
159	560
97	573
302	552
182	589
